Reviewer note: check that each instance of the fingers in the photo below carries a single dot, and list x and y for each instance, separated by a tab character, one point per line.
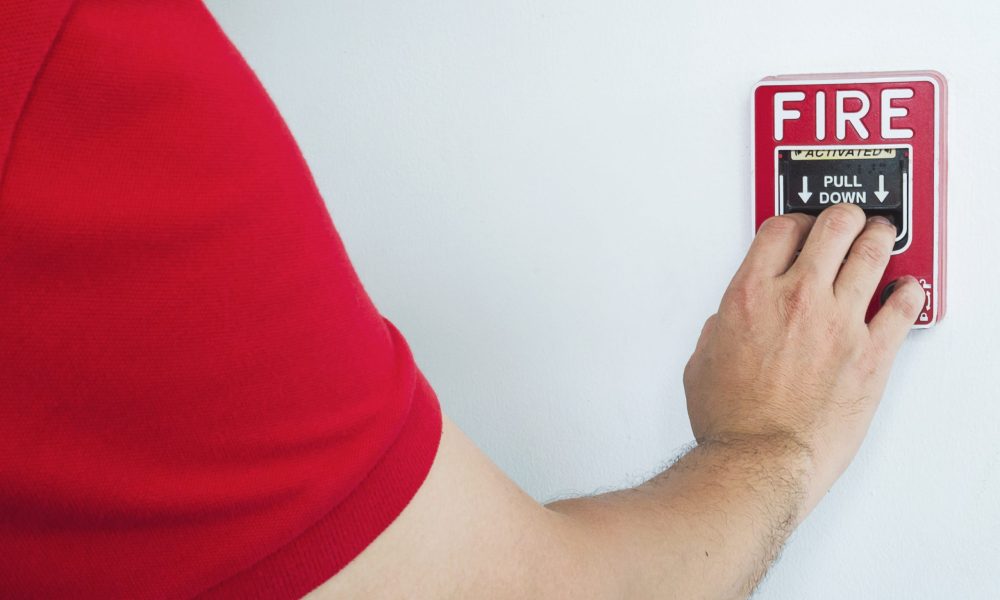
893	321
830	239
866	262
774	247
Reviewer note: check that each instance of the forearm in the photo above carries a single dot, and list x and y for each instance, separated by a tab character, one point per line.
707	527
788	351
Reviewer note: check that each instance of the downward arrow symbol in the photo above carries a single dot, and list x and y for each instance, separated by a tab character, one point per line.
805	194
881	193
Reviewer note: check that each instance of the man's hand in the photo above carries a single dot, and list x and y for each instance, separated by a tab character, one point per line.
788	356
780	391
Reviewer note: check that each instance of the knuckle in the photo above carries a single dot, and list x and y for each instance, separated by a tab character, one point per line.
796	300
689	376
743	296
709	324
706	332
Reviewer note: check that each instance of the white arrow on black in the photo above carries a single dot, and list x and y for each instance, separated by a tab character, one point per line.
805	194
881	193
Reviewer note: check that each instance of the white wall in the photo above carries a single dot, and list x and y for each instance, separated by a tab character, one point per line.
549	197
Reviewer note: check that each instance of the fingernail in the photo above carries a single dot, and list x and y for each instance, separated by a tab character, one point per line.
879	219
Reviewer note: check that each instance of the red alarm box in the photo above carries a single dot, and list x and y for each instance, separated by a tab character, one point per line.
878	140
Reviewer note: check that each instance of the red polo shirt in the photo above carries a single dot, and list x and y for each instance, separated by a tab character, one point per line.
197	397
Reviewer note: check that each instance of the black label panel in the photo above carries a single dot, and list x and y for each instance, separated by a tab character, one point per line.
872	178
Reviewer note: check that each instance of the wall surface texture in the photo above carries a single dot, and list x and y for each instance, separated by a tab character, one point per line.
549	197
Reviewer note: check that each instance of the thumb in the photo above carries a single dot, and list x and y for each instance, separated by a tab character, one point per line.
896	317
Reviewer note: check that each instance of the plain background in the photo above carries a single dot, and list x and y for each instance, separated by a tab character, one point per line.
549	197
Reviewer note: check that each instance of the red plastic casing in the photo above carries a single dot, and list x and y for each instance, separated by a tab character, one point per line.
925	255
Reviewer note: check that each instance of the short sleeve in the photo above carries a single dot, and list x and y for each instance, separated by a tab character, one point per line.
197	396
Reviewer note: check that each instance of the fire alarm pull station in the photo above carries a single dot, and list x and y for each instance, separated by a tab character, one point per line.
878	140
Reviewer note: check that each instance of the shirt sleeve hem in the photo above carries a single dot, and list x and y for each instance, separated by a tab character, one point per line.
332	542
